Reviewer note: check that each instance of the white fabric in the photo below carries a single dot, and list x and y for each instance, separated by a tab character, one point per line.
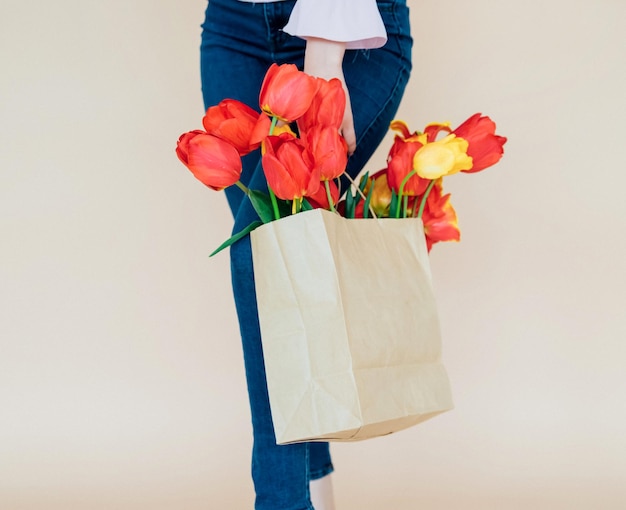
355	22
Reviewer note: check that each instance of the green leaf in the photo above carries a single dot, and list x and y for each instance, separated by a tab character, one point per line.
237	236
363	182
350	204
368	198
395	203
262	205
306	205
284	208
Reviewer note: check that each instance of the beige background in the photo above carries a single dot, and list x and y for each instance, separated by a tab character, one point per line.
121	382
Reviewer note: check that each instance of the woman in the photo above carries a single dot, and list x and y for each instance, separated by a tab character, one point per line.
366	44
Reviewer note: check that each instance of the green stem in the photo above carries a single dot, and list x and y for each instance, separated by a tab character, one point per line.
405	205
296	205
242	187
273	125
424	197
401	190
274	203
269	189
328	195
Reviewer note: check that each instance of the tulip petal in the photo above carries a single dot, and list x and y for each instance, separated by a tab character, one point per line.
329	149
327	107
484	146
400	164
182	146
319	199
232	121
433	130
442	157
439	217
401	127
289	167
213	161
286	92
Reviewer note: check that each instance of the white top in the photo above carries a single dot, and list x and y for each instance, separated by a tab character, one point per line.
355	22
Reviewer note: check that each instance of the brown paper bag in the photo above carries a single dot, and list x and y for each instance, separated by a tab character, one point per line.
349	326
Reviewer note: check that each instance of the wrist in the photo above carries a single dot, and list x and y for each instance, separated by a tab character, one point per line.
324	58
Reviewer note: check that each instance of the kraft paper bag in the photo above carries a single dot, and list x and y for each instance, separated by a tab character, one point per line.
349	326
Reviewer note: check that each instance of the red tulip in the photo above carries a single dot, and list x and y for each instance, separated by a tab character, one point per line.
286	92
400	164
485	147
439	217
182	146
329	149
289	167
213	161
319	199
232	121
327	107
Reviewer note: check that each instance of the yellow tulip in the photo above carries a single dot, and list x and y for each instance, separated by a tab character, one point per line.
442	157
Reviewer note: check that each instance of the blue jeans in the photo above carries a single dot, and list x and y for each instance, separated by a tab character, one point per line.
239	42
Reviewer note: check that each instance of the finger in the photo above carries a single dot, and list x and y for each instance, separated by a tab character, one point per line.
349	135
347	125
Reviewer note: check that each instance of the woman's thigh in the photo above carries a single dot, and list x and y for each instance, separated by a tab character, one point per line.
240	40
376	80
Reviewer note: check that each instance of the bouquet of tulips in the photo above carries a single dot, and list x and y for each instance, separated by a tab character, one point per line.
338	366
303	156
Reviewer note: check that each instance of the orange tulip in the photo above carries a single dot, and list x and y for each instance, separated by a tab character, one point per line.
232	121
381	194
329	149
485	147
327	107
439	217
213	161
286	92
289	167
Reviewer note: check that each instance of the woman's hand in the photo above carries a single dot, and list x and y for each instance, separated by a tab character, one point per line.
324	59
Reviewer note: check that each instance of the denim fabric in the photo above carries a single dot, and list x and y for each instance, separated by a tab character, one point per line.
240	41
